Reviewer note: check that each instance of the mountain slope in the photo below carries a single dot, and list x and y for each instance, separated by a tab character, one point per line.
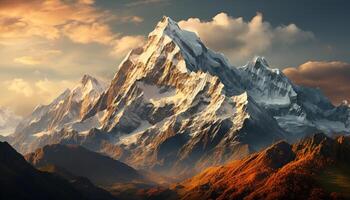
281	171
19	180
78	161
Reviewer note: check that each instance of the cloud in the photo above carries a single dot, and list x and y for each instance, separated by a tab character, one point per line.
22	18
332	78
31	93
40	57
126	43
79	20
51	89
45	44
20	86
134	19
87	33
87	1
78	29
242	40
28	60
145	2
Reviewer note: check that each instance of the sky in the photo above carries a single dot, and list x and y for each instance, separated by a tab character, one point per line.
47	46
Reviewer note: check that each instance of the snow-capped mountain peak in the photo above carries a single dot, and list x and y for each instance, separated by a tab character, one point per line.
259	63
88	78
185	39
88	87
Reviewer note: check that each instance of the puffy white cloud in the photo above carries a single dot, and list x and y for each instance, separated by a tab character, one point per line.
241	40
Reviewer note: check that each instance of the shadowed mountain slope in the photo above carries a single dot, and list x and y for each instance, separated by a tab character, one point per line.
19	180
79	161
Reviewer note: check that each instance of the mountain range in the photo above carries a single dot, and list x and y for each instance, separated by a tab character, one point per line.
176	107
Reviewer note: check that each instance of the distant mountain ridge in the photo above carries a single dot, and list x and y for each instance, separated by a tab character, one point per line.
76	160
176	106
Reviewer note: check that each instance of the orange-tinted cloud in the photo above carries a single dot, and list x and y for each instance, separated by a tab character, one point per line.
47	44
87	33
333	78
124	44
79	20
28	60
21	18
19	85
31	93
40	57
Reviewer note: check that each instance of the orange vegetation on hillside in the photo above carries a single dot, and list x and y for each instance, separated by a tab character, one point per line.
281	171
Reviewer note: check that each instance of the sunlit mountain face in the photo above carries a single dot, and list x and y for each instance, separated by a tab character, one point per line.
127	100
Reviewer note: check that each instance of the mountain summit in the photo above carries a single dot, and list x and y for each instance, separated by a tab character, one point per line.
174	106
